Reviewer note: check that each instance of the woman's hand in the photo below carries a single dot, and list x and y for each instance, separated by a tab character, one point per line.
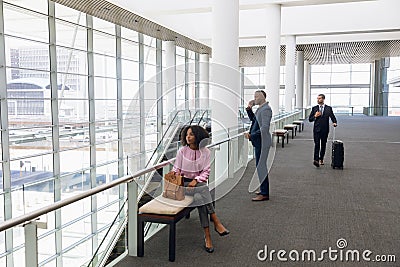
191	185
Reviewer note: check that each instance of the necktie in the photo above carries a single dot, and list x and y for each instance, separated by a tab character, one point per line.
321	109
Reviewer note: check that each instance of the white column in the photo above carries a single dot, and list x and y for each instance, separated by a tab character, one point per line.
300	79
224	79
272	55
307	83
170	77
290	60
204	81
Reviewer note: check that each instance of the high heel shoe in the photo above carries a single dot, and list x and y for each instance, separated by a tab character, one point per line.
209	250
226	232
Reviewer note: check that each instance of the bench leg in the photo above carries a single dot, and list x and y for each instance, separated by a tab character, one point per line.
283	141
278	139
140	237
292	133
172	241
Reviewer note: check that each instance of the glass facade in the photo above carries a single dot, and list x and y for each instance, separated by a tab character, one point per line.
255	79
393	76
344	86
80	100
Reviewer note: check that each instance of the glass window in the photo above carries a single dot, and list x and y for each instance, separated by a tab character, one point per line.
71	15
105	88
108	173
26	168
359	100
46	246
320	78
361	67
37	5
251	70
129	50
73	111
341	67
360	90
106	110
104	43
252	79
104	66
24	54
130	70
72	86
180	51
180	63
74	135
360	77
16	19
104	26
339	99
340	90
71	61
321	68
73	36
394	69
130	89
340	78
76	159
129	34
180	79
150	72
150	41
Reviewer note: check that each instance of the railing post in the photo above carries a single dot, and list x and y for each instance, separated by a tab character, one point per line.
31	247
132	218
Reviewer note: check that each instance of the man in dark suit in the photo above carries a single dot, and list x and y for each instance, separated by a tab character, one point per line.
260	138
320	115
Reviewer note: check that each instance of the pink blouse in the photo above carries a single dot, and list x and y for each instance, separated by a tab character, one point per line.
193	164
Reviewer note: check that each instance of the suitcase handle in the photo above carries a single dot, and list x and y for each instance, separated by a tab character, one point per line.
334	133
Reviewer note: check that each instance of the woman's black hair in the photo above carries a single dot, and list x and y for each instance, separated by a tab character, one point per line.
199	134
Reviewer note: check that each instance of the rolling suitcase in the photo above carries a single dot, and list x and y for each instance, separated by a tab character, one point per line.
337	152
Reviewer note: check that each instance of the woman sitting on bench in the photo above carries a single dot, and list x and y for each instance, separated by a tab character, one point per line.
193	163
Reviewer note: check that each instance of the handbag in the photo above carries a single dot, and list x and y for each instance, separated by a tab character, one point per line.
173	186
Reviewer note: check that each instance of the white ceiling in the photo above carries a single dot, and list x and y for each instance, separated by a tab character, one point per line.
312	21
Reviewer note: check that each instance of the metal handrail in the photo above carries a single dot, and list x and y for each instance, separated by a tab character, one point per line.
194	116
57	205
202	116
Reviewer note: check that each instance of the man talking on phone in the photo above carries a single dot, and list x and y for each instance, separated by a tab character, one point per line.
260	138
320	115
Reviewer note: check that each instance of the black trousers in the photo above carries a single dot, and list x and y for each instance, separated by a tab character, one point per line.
320	139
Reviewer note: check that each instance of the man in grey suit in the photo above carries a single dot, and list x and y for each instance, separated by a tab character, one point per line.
260	138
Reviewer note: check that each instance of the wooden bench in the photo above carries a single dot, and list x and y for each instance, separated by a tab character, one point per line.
291	127
166	211
300	124
282	133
